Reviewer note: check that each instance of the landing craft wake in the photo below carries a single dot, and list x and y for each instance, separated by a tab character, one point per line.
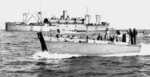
44	54
145	50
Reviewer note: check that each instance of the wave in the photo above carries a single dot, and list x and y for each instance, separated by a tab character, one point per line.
47	55
144	51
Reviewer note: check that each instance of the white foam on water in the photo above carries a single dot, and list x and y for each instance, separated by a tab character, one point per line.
47	55
145	50
3	51
121	55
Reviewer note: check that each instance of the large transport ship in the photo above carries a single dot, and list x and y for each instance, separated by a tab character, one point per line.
64	22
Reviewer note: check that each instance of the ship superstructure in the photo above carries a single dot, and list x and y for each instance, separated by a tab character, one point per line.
64	22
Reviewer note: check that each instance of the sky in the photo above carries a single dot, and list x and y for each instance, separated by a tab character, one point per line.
119	13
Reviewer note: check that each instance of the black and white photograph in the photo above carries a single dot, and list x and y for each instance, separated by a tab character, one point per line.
75	38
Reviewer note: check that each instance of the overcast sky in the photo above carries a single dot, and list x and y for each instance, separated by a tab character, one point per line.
120	13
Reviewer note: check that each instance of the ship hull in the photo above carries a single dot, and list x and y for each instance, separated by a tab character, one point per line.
91	49
26	28
71	27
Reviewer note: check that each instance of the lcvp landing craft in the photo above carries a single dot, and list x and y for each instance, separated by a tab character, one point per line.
64	22
63	49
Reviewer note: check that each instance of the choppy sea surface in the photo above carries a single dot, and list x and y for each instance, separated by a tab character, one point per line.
17	47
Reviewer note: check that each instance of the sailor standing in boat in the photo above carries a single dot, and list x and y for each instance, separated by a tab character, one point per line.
107	32
118	35
126	37
58	33
87	39
130	36
134	36
99	37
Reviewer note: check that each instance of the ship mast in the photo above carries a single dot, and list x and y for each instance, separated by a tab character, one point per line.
36	16
39	14
87	18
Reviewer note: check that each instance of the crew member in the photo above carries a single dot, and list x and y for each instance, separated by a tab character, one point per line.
131	36
134	36
58	34
124	37
111	38
87	38
117	35
58	31
99	37
106	36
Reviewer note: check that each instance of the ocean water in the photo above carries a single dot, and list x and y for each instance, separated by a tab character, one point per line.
17	47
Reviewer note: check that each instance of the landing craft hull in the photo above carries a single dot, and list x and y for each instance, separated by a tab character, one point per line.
91	49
